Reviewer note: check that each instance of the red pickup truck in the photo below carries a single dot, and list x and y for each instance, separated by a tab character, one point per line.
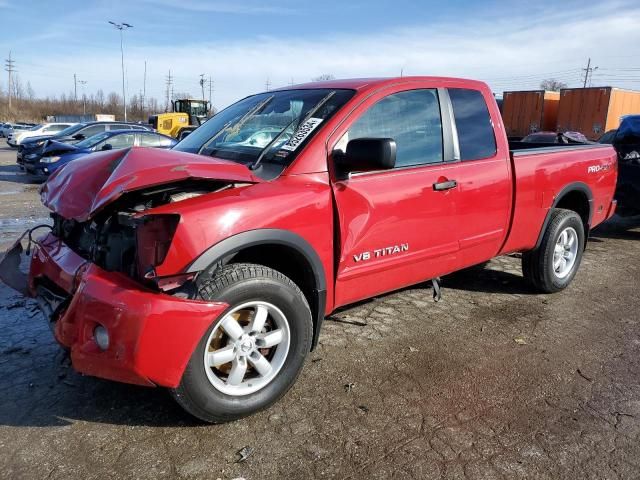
209	269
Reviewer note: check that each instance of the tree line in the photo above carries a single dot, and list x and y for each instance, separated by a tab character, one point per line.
27	107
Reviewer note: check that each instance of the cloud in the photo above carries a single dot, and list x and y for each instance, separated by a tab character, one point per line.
509	53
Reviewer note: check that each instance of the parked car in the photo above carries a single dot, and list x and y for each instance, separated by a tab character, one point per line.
554	137
209	268
9	128
33	147
5	127
57	154
15	138
626	140
607	138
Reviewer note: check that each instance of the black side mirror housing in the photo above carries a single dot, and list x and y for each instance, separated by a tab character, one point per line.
107	146
366	155
78	136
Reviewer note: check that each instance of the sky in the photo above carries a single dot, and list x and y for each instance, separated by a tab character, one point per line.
247	46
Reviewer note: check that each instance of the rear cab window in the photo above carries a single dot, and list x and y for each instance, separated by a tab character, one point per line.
476	137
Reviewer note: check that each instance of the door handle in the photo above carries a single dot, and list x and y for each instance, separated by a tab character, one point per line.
448	185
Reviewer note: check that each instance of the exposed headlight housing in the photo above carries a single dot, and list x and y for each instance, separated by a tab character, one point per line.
153	237
53	159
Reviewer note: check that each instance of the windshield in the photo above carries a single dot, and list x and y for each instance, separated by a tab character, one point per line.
70	130
91	141
35	127
269	127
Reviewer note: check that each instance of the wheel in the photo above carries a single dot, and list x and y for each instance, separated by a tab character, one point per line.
552	266
252	355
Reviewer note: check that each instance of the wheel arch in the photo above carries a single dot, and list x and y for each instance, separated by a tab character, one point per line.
281	250
576	196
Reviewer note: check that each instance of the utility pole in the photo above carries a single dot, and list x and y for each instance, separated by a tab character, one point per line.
588	73
144	87
210	94
84	96
75	88
168	81
202	85
267	84
121	27
9	66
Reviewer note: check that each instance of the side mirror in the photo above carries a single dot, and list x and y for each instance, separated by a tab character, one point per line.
366	155
107	146
78	136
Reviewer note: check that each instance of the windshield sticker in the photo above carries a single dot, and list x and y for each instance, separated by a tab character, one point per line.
303	132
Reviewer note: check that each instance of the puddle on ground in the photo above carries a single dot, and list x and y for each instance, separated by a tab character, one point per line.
11	228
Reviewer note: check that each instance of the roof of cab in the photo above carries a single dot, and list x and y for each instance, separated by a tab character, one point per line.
370	83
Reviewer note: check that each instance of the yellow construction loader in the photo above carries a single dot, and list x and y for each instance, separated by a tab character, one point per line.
187	115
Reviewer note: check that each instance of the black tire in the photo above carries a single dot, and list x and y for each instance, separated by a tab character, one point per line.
537	265
237	284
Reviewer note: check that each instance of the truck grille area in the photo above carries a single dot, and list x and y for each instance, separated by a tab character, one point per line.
106	241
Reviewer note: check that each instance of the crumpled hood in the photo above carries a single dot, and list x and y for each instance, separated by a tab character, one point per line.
87	184
56	146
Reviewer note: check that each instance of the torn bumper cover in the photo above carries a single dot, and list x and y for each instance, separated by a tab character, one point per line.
150	335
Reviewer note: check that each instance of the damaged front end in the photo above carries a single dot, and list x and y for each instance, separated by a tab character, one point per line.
94	274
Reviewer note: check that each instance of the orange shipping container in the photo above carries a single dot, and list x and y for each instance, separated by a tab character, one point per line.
595	110
525	112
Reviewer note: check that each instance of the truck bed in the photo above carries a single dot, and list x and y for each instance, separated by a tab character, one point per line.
540	175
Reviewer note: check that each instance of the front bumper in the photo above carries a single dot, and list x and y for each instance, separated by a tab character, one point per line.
151	335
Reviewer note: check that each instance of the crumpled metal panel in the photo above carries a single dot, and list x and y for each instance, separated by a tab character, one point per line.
84	186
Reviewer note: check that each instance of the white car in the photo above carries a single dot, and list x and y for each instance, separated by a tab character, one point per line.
7	128
16	137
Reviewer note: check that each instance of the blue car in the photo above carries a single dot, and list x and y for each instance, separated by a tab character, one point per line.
57	154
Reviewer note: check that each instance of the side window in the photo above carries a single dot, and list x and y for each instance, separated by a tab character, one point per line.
147	140
166	142
475	131
92	130
121	141
411	118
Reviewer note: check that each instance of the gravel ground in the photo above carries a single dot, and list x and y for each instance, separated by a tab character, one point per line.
492	382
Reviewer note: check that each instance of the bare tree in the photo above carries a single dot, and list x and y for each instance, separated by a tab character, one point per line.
323	77
30	93
552	84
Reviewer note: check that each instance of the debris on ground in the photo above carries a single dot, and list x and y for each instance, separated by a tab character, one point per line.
22	350
348	387
244	453
348	321
588	379
363	408
413	349
520	341
16	304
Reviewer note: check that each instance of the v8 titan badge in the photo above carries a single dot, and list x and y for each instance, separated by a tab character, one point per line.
303	132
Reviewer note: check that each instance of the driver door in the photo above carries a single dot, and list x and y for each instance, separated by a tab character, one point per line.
396	227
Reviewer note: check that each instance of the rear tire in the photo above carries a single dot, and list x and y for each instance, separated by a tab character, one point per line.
216	394
552	266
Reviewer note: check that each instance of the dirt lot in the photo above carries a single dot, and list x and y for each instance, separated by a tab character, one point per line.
492	382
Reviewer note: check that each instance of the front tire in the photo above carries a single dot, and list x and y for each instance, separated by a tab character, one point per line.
552	266
253	353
